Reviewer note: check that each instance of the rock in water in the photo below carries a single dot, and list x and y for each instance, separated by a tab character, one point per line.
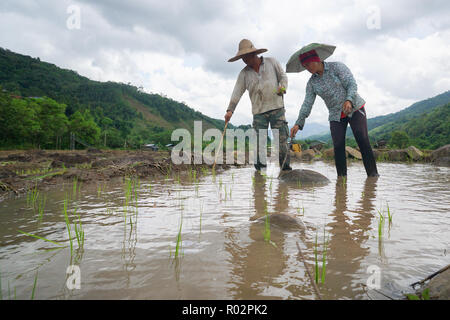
303	177
283	221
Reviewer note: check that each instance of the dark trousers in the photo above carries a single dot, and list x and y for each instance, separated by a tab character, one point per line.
358	123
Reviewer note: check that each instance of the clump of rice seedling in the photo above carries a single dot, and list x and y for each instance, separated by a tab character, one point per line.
79	231
266	232
324	258
32	197
41	206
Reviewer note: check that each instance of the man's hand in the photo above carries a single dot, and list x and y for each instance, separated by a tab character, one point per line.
294	130
347	107
281	90
228	116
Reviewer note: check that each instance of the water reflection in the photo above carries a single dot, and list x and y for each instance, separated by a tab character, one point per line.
256	265
349	230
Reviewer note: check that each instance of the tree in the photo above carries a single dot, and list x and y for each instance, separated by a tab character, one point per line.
83	126
53	121
18	120
399	139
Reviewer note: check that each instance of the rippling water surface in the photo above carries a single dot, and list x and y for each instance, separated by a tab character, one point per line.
131	252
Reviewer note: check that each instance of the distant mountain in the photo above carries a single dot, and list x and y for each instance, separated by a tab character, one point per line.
131	115
312	129
426	122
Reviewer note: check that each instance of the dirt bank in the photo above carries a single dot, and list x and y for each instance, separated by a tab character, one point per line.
21	171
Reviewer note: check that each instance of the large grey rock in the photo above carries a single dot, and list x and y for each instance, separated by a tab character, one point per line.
397	155
283	221
414	153
441	156
353	153
301	177
439	286
328	153
308	155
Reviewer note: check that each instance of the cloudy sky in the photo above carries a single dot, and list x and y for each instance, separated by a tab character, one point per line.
397	50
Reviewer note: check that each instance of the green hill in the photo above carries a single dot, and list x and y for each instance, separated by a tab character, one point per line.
117	112
426	123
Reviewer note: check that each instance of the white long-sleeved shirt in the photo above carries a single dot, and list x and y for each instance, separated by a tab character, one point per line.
262	86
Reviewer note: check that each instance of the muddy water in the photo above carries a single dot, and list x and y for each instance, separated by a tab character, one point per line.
130	250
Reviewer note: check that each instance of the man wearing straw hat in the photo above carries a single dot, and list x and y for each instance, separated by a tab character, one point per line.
266	82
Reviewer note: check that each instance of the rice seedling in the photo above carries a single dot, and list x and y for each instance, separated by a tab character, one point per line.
316	262
34	286
380	224
74	187
41	238
324	257
267	228
266	232
66	219
178	245
389	214
79	231
32	196
41	206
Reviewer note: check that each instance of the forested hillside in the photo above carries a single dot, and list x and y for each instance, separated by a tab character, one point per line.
101	113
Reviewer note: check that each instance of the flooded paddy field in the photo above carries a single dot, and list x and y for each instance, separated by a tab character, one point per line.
199	235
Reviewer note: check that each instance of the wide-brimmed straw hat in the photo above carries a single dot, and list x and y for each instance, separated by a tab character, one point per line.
246	47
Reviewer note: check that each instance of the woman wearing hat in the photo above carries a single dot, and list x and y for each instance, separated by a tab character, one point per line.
335	84
266	82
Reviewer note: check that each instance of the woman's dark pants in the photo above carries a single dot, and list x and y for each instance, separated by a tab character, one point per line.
358	123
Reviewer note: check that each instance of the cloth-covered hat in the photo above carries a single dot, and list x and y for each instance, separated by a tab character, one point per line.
309	57
246	47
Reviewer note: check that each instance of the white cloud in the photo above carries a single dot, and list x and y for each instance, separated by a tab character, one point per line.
180	48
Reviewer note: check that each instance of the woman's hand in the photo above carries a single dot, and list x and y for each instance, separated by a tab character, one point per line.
347	107
294	130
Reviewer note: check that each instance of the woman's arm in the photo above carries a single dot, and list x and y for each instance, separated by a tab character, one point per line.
305	110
